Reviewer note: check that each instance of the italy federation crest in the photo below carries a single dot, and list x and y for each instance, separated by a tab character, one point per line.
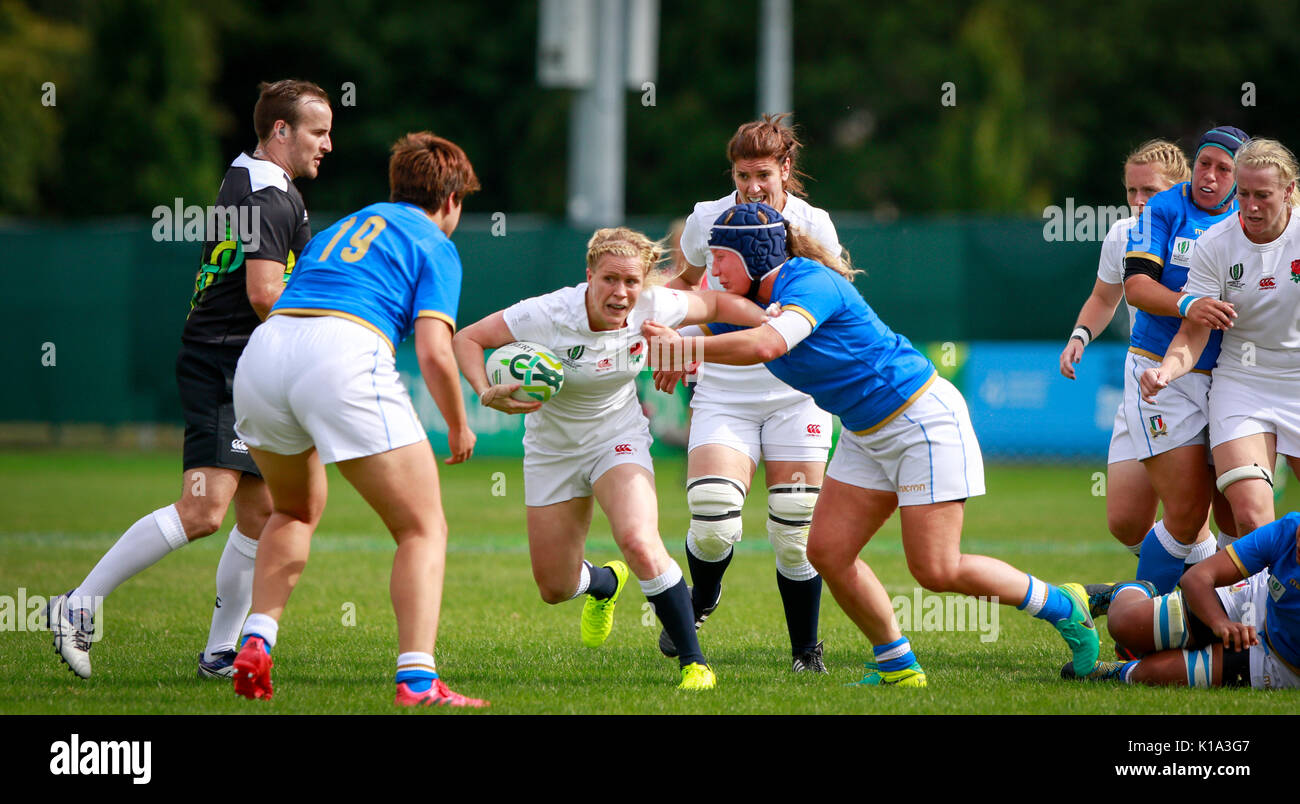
1158	427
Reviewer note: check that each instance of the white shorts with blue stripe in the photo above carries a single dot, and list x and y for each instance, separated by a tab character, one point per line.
1179	417
323	381
926	454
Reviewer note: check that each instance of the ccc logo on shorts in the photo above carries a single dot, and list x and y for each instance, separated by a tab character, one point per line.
238	445
623	449
814	429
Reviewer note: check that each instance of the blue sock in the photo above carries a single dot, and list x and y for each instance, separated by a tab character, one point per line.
416	671
897	655
1046	602
603	584
266	645
1161	560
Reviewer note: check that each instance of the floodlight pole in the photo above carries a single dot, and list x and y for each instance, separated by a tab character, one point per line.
775	45
596	127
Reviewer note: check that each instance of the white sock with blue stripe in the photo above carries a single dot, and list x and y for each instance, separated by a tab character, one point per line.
417	670
896	655
1201	551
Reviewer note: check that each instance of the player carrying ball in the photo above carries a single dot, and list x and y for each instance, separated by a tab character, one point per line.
593	438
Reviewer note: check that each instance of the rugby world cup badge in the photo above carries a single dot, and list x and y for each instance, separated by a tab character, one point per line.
573	355
1234	277
1275	588
1158	427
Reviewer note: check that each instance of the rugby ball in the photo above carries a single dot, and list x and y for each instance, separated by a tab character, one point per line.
534	366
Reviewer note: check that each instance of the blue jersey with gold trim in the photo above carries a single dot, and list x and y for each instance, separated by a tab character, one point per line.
1273	548
384	266
852	364
1166	234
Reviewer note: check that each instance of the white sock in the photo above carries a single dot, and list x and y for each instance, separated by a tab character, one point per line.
414	660
1135	549
584	580
264	626
663	582
143	545
234	593
1173	547
1201	551
1225	540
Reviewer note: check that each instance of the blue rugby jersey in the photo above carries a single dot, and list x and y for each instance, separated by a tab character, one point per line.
1166	234
383	267
1273	548
852	364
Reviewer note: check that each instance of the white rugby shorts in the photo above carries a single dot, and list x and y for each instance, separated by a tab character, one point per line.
323	381
1243	404
926	454
782	427
1245	602
1178	418
553	475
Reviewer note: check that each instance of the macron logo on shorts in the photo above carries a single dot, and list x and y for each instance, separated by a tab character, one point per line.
623	449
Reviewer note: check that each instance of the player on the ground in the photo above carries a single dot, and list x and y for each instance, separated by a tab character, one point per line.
742	413
907	442
1245	281
1233	621
239	280
317	384
593	439
1169	437
1131	503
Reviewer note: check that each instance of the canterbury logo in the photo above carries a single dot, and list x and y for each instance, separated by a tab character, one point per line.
814	429
1267	283
623	449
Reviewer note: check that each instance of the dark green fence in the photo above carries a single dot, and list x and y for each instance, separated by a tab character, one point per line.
92	313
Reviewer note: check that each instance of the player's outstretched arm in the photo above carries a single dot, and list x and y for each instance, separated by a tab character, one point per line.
1181	356
1198	585
438	367
1094	317
470	345
710	305
746	347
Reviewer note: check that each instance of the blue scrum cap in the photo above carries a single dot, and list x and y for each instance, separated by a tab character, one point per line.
760	244
1229	139
1225	137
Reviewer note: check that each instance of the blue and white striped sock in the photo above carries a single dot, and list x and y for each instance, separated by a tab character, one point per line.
416	670
1046	602
1162	558
897	655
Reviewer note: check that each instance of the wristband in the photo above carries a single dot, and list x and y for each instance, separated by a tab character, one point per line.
1185	303
1082	333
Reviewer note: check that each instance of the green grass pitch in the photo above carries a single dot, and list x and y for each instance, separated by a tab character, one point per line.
499	641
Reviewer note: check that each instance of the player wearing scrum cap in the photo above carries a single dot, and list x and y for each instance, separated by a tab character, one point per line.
907	443
1131	503
1169	436
1244	282
592	439
740	414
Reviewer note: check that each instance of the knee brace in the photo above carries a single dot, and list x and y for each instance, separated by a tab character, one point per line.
1244	473
715	504
1168	623
1200	671
789	513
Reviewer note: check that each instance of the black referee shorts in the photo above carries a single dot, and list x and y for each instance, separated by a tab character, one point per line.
205	376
